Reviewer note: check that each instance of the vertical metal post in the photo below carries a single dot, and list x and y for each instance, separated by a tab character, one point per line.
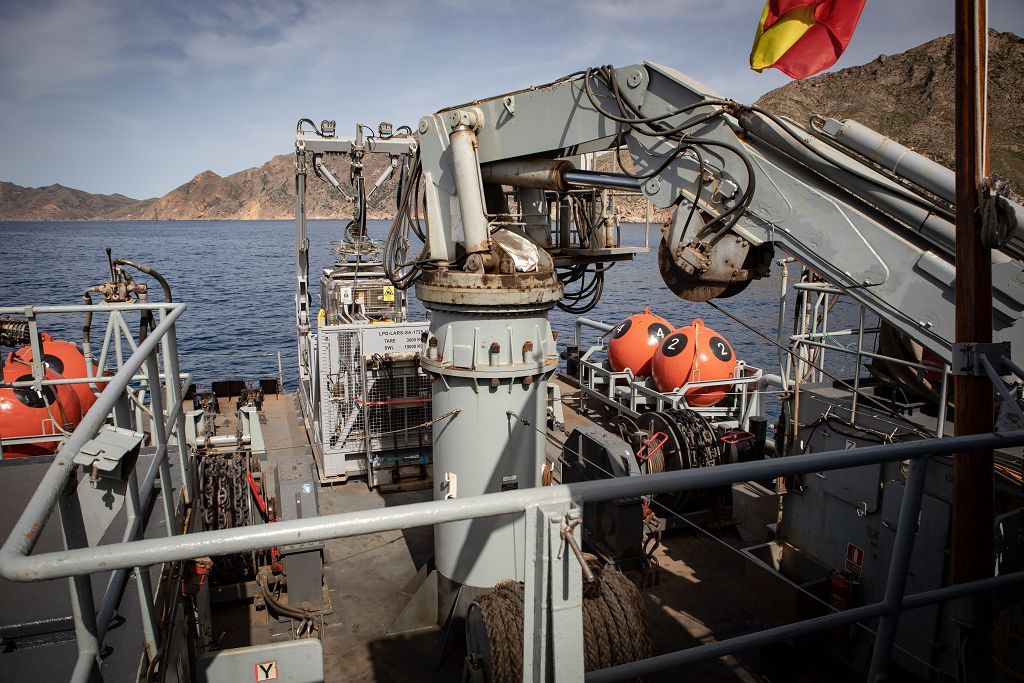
170	344
38	373
647	224
149	628
159	435
824	336
115	322
856	367
972	471
940	423
280	374
899	564
784	367
82	607
553	599
301	266
564	229
536	626
566	604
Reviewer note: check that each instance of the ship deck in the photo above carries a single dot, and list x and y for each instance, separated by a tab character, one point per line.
707	590
704	593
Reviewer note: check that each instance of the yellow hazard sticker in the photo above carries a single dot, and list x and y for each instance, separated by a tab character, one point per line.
389	293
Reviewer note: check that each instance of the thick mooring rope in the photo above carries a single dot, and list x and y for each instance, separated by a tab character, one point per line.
616	628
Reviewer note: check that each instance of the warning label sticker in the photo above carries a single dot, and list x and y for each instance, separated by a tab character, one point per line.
266	671
854	559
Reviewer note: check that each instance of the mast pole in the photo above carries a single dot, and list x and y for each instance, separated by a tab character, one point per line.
973	403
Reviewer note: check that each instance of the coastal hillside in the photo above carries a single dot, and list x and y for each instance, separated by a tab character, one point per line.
59	203
267	193
907	96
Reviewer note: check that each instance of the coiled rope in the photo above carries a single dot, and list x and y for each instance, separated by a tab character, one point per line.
616	628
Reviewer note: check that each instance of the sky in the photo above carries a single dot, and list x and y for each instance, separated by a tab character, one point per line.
138	96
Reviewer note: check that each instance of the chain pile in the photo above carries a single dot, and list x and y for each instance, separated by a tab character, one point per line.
224	491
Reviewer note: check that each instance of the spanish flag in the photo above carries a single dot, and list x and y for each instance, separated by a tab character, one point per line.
802	37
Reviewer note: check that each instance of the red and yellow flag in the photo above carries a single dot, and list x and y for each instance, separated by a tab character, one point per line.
802	37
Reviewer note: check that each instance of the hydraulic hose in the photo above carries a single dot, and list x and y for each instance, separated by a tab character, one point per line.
152	273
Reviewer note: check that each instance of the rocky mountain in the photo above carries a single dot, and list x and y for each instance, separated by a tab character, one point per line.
908	96
57	202
267	193
263	193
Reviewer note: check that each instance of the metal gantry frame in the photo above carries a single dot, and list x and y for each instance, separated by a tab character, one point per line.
58	487
811	334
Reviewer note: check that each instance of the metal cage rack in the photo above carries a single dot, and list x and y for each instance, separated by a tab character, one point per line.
375	402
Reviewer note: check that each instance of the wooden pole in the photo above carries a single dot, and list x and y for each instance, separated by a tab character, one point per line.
973	402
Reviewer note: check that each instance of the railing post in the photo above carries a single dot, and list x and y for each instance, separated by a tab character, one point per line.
566	603
856	368
159	436
174	387
535	597
149	627
552	598
82	605
899	564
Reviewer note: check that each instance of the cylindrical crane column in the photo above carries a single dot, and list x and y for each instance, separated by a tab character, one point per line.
489	355
462	141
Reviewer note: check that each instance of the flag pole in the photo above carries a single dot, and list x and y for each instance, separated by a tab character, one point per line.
973	403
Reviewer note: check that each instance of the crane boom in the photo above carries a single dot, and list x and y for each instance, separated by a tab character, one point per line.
759	182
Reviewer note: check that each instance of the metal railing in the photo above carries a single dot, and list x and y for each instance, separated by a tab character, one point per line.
58	487
553	589
811	340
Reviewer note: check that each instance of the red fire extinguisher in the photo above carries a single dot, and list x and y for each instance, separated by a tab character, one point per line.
842	594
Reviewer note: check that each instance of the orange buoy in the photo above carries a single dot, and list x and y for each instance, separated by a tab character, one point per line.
697	354
26	412
64	358
635	340
673	360
714	360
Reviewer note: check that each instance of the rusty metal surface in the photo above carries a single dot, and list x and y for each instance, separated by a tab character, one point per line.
487	289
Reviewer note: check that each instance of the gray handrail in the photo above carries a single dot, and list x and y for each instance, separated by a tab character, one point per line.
17	565
27	529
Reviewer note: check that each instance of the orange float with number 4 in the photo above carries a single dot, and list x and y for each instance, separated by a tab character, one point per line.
695	353
635	340
27	412
64	358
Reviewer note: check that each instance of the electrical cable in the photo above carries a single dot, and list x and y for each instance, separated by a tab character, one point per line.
654	126
316	129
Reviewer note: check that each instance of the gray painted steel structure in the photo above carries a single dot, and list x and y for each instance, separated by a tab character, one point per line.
547	506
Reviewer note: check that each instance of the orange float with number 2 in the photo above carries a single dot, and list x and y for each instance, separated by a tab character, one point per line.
694	353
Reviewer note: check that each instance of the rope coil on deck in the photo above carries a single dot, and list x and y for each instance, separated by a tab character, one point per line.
616	628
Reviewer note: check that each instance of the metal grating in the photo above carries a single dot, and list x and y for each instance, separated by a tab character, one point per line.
396	407
372	402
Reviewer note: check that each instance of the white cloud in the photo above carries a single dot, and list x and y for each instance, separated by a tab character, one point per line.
45	51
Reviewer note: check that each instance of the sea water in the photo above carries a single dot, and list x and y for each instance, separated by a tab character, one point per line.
238	280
